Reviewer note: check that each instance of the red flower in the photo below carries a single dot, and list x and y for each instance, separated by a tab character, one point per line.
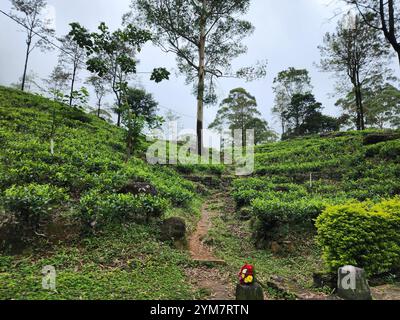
246	275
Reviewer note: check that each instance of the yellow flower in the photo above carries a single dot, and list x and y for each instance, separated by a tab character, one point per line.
249	279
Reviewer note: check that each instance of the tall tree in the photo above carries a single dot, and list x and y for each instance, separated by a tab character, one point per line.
30	14
142	103
381	101
355	53
30	82
287	84
383	106
382	15
57	83
239	111
73	57
205	35
139	112
112	56
302	107
100	89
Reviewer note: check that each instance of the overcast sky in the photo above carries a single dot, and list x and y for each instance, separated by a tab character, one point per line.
287	34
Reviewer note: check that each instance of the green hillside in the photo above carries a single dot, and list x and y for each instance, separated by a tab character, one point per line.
80	188
312	204
349	181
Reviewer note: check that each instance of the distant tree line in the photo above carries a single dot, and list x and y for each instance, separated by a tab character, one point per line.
206	36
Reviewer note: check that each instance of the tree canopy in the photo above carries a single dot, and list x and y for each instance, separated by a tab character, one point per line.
239	111
204	35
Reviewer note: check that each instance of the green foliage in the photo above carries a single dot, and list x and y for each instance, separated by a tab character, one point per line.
111	55
89	154
142	104
361	234
277	212
297	179
125	262
102	209
303	116
160	74
239	112
213	169
33	202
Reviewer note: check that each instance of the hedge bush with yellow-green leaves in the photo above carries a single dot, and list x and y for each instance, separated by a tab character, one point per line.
363	234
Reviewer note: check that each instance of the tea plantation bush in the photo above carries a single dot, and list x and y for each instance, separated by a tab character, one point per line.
86	171
98	209
296	180
32	203
277	213
362	234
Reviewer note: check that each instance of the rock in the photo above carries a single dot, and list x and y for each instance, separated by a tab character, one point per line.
136	188
282	189
353	284
173	229
202	189
253	292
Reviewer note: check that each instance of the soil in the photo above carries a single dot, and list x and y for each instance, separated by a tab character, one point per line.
207	278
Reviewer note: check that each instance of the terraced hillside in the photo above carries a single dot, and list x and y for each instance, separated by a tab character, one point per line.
69	198
81	210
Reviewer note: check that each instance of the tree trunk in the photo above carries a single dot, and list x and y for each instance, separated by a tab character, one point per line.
358	121
201	84
119	104
119	118
389	30
98	108
72	86
28	47
362	118
360	101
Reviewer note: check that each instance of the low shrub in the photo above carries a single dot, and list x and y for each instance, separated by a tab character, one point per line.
387	151
363	234
244	191
97	210
186	168
32	203
212	169
178	195
276	213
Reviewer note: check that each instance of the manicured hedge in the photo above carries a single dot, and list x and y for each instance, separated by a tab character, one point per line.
362	234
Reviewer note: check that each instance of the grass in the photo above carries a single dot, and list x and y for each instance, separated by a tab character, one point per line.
128	261
232	242
124	263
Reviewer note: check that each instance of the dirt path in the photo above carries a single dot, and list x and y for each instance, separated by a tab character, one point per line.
208	279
